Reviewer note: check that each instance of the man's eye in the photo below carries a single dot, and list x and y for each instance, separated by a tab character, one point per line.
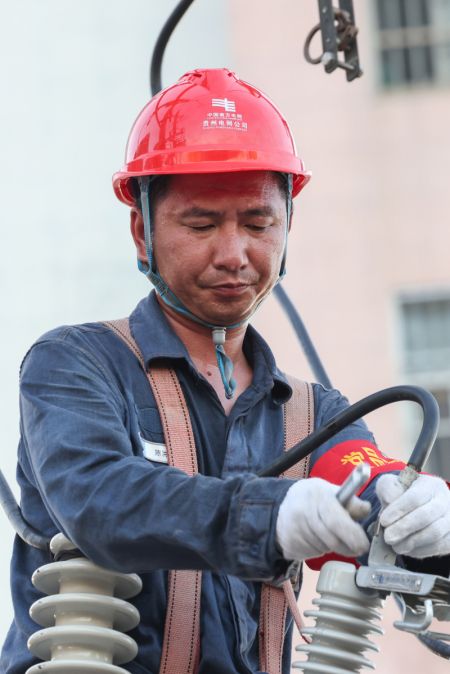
257	228
201	227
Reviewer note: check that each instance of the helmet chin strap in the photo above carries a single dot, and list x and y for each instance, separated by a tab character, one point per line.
224	362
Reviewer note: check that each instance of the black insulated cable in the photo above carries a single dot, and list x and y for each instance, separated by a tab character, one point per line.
161	43
437	646
303	337
358	410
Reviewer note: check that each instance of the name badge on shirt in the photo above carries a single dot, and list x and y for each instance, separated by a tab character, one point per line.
154	451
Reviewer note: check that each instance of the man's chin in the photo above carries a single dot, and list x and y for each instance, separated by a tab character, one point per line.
226	314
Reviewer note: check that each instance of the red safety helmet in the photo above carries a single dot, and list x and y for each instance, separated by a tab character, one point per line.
209	121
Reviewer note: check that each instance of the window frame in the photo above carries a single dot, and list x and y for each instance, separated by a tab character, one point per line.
430	379
433	36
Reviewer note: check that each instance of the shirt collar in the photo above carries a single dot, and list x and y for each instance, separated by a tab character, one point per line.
266	373
153	334
157	340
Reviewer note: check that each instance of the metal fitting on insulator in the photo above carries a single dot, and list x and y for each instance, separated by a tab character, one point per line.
343	619
84	617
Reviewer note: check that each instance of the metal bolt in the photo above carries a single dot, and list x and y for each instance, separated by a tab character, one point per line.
327	58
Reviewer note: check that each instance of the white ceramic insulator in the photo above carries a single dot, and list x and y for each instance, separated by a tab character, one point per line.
343	619
84	617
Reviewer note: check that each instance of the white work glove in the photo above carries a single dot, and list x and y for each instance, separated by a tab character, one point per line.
311	522
416	521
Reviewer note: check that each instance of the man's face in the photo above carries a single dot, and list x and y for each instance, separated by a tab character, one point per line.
218	241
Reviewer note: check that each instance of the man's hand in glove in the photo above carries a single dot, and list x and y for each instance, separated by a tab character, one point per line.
311	521
416	521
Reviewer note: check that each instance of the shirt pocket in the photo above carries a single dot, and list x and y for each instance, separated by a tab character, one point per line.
151	437
149	424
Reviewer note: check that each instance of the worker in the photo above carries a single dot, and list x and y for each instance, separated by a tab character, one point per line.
211	170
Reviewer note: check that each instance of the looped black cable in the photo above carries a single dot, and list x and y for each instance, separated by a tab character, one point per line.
306	48
358	410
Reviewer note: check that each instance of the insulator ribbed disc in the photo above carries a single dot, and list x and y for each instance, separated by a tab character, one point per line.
91	640
352	641
75	667
320	668
336	656
344	621
88	608
360	610
48	578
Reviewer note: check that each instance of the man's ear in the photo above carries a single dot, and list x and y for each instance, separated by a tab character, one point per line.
137	232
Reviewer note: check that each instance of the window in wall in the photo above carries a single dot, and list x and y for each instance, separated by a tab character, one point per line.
414	41
426	362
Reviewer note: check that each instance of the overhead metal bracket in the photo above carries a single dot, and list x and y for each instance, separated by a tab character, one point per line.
338	30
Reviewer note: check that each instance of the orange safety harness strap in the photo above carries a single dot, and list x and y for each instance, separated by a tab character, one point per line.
298	423
181	644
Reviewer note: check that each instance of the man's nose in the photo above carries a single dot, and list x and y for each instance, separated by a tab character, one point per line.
231	248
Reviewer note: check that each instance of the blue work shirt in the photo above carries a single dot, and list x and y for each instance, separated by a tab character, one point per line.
86	411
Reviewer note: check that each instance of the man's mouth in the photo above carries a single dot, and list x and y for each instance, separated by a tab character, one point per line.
230	289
